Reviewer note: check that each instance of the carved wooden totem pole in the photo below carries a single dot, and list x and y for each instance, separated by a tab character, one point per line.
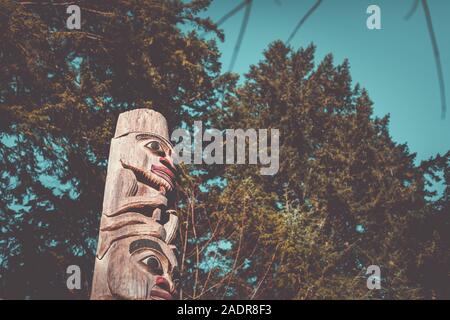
135	258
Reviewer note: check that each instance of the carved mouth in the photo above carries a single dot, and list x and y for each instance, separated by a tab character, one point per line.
159	294
157	177
164	173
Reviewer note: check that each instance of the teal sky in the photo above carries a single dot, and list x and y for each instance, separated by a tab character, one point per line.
395	64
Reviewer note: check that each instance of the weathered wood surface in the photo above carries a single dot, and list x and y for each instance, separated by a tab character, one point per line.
135	258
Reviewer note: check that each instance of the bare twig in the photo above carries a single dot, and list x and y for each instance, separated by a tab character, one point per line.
88	35
241	236
232	12
437	57
303	20
241	33
197	250
412	10
209	273
221	281
265	274
183	257
213	236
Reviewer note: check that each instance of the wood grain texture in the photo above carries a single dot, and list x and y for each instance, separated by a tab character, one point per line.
135	258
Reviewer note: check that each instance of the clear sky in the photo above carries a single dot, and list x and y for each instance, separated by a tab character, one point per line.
395	64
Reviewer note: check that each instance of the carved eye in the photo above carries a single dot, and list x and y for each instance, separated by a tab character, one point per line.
154	265
154	146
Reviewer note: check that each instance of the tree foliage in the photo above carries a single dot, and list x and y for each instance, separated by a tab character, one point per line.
61	93
346	195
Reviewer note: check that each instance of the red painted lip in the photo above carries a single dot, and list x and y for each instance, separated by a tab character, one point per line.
160	293
164	169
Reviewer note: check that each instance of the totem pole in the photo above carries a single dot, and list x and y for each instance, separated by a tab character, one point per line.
135	258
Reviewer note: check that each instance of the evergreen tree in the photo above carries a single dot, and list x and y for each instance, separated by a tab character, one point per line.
346	195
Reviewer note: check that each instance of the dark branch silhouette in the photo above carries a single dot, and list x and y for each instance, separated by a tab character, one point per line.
232	12
412	10
241	33
303	20
437	57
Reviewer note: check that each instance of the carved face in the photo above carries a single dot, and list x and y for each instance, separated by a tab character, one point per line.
134	257
148	270
151	162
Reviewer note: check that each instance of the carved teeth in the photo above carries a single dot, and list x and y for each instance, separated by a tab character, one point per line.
160	182
151	177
